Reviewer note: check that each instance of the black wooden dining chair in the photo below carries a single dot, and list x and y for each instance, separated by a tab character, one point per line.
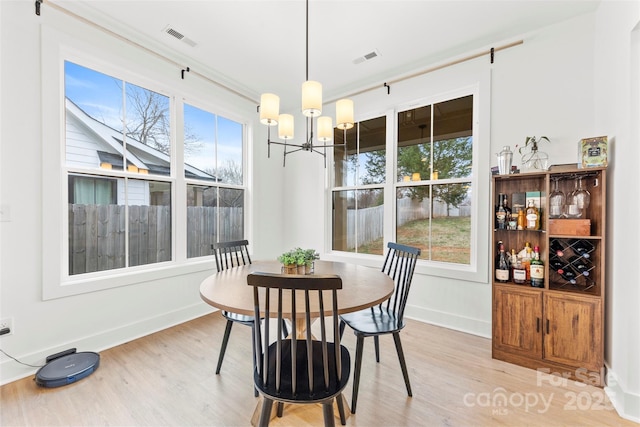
229	255
299	369
387	317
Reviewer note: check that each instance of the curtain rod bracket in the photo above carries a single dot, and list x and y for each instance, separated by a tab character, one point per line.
493	51
38	3
183	70
388	88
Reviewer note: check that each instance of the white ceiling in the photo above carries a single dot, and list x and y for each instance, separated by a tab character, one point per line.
259	46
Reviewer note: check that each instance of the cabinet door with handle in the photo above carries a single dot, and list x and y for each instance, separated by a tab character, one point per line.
573	330
517	320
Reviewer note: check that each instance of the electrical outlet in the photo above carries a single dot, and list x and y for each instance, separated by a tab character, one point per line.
7	322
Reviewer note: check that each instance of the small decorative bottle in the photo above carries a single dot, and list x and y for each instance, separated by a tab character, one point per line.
533	217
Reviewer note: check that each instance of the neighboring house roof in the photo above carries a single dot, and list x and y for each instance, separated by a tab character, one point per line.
106	145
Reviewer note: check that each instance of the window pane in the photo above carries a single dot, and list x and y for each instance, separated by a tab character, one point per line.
93	119
370	227
229	151
345	158
202	219
344	221
413	214
148	129
231	214
149	212
358	224
199	143
96	226
371	148
451	225
442	229
414	144
453	136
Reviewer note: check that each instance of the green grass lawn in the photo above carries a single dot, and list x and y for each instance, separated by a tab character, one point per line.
450	238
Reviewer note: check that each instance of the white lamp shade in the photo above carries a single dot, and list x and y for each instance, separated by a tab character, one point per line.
311	98
269	109
325	129
285	126
344	114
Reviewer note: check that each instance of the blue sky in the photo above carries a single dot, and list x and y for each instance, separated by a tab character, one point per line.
100	96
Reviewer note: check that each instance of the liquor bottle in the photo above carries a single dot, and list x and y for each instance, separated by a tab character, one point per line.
513	260
582	247
525	256
580	264
519	273
502	265
557	247
501	213
537	269
533	217
522	221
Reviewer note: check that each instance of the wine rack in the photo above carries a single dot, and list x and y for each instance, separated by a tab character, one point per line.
576	268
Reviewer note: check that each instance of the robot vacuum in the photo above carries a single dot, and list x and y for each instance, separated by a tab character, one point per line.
67	369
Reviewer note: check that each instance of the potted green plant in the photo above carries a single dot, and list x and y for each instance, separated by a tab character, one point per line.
533	158
289	262
308	257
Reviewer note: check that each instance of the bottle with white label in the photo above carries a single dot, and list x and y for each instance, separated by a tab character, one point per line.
532	216
502	265
537	269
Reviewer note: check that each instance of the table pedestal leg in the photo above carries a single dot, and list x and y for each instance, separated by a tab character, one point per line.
255	418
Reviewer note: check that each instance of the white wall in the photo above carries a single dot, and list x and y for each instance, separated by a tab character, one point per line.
617	114
567	81
97	320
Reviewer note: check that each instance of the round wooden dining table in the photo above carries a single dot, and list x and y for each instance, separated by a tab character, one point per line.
362	286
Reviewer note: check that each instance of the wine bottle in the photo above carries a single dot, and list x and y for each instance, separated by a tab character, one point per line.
582	247
537	269
556	264
501	213
533	217
569	275
502	265
557	247
507	209
580	264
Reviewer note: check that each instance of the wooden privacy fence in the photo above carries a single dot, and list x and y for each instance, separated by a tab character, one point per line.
97	234
370	220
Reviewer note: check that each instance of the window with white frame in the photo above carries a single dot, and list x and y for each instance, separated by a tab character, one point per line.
431	182
121	174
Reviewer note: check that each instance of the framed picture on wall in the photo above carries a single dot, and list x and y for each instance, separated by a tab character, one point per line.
593	152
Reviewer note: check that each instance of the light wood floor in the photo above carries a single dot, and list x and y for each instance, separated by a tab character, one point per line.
168	379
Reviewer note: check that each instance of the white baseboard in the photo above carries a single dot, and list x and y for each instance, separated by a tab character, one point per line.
11	370
626	404
453	321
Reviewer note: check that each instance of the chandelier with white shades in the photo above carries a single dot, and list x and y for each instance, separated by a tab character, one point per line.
312	109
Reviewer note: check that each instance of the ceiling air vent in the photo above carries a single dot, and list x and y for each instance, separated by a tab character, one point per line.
178	35
369	56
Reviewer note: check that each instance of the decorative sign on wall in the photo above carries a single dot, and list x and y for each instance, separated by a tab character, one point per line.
593	152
